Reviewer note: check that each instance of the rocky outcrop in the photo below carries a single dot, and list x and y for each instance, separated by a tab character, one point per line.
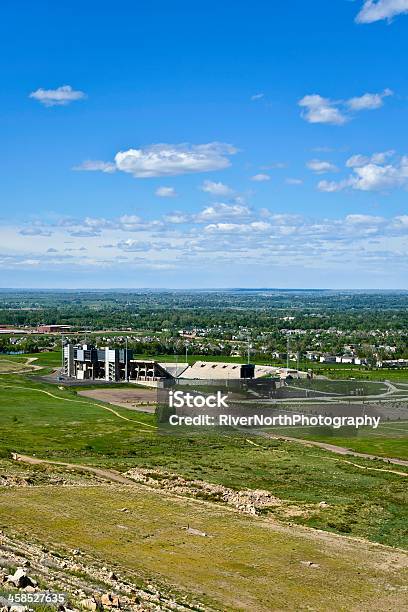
89	585
247	500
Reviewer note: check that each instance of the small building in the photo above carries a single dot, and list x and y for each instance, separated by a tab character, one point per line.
53	329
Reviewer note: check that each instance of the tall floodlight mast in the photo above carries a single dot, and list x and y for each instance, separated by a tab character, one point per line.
126	359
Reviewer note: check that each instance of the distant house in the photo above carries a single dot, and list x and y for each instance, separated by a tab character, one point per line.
313	355
328	358
345	359
53	329
393	363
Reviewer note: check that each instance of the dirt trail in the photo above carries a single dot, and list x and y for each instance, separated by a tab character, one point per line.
339	450
102	473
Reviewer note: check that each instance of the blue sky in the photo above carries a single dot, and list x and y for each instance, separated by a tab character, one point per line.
181	144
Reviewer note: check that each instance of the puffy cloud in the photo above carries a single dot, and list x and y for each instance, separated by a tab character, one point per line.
57	97
373	173
166	160
332	186
177	218
361	160
166	192
96	166
321	167
170	160
377	10
368	101
255	226
260	178
321	110
216	189
374	177
222	211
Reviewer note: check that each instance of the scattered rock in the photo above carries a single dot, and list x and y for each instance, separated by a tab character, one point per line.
112	576
90	604
310	564
20	579
248	500
323	504
196	532
110	601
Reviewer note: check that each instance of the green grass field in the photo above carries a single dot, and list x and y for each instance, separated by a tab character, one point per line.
63	426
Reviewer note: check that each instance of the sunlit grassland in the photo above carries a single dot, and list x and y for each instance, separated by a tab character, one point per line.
244	562
372	504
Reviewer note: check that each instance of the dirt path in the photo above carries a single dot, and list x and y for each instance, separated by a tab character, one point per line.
25	368
102	473
339	450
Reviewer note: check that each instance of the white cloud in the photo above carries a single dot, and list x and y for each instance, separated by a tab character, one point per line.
361	160
260	178
262	238
374	177
375	173
337	112
364	220
257	96
332	186
57	97
166	192
96	166
321	167
166	160
170	160
368	101
177	218
381	9
132	246
216	189
293	181
222	211
255	226
321	110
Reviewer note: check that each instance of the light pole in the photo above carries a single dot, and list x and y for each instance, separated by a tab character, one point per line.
126	359
287	352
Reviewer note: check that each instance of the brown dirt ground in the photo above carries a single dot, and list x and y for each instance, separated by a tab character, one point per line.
141	400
